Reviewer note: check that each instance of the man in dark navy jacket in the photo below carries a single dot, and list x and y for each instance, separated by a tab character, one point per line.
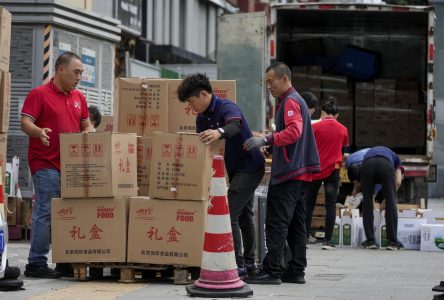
295	159
222	119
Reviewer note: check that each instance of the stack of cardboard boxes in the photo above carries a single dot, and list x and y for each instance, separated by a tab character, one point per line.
174	170
140	195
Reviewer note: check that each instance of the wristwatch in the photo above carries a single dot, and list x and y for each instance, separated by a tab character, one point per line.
221	131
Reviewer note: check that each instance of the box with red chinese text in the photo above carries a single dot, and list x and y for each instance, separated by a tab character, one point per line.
181	166
106	124
141	105
181	118
166	232
89	230
5	100
98	164
144	154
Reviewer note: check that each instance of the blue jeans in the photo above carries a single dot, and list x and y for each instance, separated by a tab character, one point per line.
46	187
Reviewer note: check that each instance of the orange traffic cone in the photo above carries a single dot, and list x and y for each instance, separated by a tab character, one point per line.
218	275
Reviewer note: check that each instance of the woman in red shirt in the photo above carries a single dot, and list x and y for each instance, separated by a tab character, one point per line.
331	136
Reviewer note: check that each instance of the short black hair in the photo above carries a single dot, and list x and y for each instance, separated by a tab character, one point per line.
280	69
65	58
354	173
95	115
310	98
192	85
329	106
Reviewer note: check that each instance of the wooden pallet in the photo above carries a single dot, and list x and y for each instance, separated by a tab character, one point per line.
131	273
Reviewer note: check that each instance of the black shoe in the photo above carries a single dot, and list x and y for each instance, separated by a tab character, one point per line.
65	269
263	278
369	244
41	272
293	279
395	246
252	270
328	245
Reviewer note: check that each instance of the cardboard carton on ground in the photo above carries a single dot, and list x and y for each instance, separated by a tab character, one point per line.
166	232
349	225
141	105
409	232
89	230
5	38
106	124
432	237
144	155
5	100
181	118
433	216
182	166
98	164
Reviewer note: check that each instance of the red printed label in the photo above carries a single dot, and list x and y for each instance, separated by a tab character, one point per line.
131	120
66	213
74	150
166	150
191	151
98	150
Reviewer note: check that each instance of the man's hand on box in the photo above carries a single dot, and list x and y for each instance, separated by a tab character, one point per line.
209	136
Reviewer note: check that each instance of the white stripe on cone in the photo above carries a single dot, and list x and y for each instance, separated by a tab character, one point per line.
220	261
218	224
218	187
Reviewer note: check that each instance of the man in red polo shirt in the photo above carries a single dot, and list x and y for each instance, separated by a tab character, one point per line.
49	110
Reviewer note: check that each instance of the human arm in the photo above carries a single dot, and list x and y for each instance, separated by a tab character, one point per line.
229	130
356	188
86	126
28	126
398	177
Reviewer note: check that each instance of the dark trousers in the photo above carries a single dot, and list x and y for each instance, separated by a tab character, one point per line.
331	186
241	200
285	221
379	170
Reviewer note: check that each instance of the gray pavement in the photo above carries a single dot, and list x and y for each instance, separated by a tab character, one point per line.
341	274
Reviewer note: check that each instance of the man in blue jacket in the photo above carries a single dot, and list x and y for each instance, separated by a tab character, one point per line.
295	159
380	165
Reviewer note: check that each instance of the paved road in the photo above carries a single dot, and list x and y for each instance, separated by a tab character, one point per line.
345	273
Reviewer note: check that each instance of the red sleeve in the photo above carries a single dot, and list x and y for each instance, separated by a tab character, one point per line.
293	125
85	111
33	105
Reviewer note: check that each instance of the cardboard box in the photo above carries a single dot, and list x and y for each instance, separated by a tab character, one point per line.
3	149
365	113
334	82
434	216
407	97
5	100
416	133
5	38
308	85
432	237
365	94
144	155
365	133
376	227
106	124
402	112
384	99
141	105
26	217
417	112
181	118
14	210
409	232
98	164
385	85
349	226
182	166
89	230
166	232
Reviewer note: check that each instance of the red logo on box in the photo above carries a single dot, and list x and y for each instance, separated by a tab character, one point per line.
166	150
131	148
154	120
97	150
144	213
74	150
117	149
183	215
105	212
149	153
139	154
66	213
131	120
191	151
178	151
86	150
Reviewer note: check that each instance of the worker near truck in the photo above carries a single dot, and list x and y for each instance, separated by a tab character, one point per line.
380	165
222	119
294	160
331	139
51	109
